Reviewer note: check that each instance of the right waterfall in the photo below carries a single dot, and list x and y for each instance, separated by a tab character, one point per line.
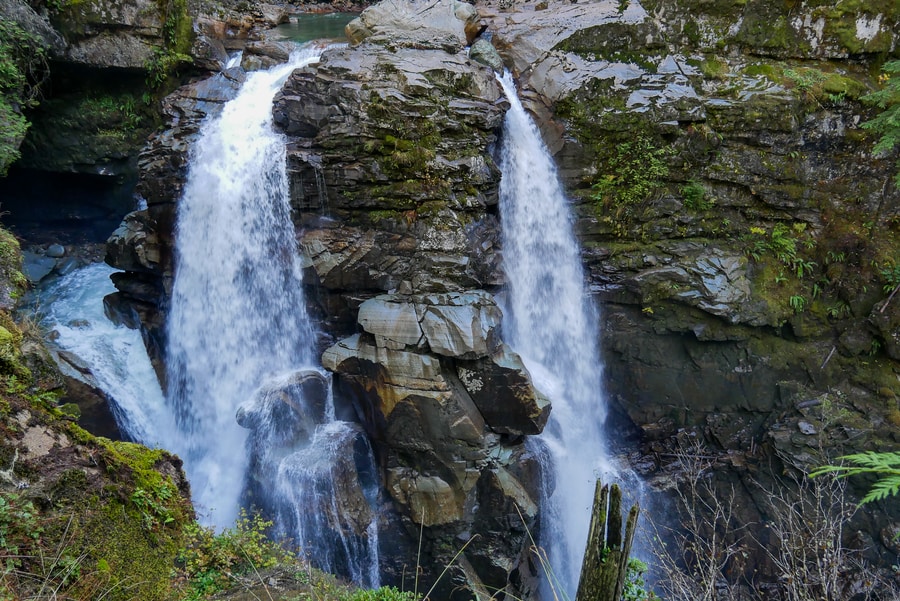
552	323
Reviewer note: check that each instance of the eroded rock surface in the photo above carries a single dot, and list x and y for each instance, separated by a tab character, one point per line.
745	277
447	421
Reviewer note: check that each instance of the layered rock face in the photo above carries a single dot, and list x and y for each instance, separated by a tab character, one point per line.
395	193
396	190
737	228
446	404
390	139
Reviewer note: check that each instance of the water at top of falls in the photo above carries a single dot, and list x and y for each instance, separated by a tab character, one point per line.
72	306
237	314
234	59
552	323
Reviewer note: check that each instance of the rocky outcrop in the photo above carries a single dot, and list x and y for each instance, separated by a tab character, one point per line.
393	142
394	191
446	405
390	140
736	226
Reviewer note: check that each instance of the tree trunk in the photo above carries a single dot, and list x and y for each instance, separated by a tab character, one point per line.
606	555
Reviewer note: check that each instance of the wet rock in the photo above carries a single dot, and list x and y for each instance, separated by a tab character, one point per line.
36	266
437	24
288	408
392	323
55	251
463	325
482	51
502	389
416	395
430	499
135	245
411	206
265	54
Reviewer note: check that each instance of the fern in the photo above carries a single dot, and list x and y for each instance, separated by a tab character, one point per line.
887	123
885	464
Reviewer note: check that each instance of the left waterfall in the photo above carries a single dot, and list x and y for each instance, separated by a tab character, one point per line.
237	315
248	408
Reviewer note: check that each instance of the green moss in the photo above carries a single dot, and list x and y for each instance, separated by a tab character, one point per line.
847	86
841	18
714	68
766	70
760	31
177	38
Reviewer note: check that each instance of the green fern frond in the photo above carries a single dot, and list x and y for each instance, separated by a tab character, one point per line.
885	464
882	461
883	489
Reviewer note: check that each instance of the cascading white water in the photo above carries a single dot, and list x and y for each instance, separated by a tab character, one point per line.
240	343
551	322
237	314
240	348
72	306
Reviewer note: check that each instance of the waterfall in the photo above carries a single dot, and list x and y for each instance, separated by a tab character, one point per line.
551	322
72	307
240	344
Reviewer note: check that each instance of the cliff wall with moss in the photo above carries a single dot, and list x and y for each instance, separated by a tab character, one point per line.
739	231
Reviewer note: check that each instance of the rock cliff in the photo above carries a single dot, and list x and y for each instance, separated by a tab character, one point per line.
737	230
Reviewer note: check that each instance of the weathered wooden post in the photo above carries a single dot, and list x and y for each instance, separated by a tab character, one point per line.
606	554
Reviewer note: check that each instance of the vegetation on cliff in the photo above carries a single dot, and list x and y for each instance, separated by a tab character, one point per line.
23	64
887	123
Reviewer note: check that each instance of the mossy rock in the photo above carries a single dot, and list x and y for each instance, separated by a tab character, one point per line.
12	280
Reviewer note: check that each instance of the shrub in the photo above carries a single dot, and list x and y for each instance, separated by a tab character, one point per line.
212	561
695	196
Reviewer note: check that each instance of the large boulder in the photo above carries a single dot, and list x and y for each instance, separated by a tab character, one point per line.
435	24
502	389
446	405
462	325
